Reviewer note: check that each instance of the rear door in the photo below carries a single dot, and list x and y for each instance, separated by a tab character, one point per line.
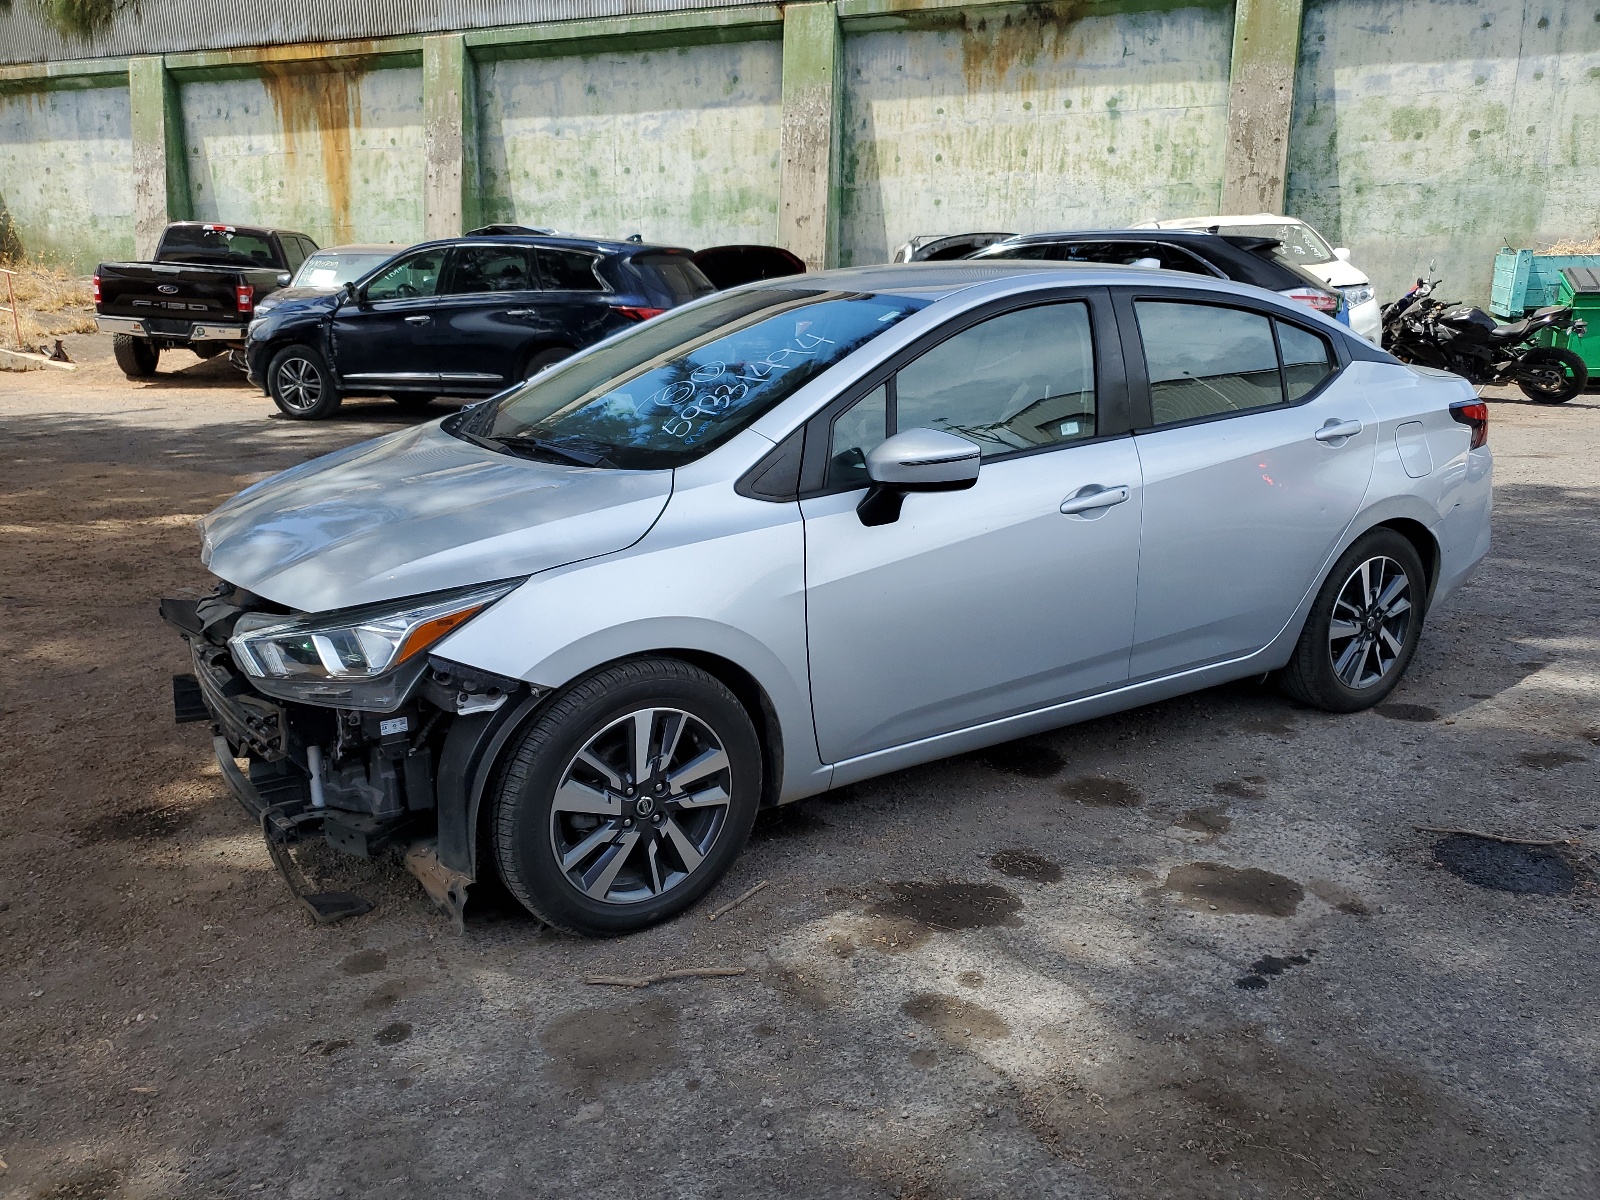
1255	457
385	341
486	316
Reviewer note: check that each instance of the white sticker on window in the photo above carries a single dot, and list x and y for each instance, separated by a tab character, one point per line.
323	277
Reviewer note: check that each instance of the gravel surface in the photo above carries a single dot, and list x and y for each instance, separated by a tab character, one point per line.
1196	950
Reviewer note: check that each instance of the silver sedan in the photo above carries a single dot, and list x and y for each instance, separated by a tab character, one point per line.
807	532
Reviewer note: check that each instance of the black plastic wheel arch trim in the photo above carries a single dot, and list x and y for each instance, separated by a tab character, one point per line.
472	748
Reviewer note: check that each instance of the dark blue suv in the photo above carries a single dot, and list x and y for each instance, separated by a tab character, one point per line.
465	317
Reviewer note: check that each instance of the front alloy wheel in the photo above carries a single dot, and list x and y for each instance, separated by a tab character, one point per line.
301	385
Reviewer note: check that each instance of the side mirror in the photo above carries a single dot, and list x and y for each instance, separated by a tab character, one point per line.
285	279
918	460
1342	253
350	293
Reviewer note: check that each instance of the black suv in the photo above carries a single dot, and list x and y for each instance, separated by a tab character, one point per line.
465	317
1200	252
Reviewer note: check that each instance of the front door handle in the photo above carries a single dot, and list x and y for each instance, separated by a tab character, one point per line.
418	320
1334	430
1094	496
522	312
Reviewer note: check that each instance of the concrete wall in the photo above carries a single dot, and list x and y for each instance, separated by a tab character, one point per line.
1440	131
336	154
66	175
679	144
1030	119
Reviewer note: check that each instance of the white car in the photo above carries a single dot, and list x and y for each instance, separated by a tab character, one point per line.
1307	249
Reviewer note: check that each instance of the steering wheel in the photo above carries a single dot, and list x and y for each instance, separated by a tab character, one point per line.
406	292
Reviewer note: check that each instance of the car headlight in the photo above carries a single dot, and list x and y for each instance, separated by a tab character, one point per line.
360	658
1358	295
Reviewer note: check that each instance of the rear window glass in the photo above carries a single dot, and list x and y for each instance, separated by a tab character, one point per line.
682	280
216	244
1299	245
683	383
567	270
491	269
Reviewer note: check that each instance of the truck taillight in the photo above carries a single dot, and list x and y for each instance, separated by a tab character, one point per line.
1313	298
1474	414
97	289
637	314
245	294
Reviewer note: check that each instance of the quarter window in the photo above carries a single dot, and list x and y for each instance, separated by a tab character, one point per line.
567	270
1205	360
491	269
1307	359
416	275
855	432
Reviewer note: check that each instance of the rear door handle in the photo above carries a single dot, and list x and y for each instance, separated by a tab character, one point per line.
522	312
418	320
1092	497
1334	430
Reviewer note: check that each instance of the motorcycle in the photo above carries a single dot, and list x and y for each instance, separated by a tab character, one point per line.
1469	342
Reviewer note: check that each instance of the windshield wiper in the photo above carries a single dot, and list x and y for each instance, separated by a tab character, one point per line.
518	443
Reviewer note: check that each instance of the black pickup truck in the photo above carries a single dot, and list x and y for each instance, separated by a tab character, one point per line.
199	293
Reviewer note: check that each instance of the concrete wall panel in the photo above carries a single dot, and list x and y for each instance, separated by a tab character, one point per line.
66	176
1439	131
338	155
1033	119
679	144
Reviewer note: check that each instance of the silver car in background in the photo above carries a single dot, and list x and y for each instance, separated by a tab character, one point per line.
807	532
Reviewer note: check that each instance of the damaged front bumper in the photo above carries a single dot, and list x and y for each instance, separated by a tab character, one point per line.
365	782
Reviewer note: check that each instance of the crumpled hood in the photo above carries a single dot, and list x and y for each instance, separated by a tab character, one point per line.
419	511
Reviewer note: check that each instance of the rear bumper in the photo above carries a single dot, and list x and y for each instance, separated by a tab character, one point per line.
136	327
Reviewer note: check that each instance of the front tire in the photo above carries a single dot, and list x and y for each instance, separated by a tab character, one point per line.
136	356
301	385
628	798
1363	627
544	360
1552	375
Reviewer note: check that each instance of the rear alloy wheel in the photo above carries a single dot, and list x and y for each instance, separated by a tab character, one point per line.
136	356
1552	375
628	798
301	385
1363	627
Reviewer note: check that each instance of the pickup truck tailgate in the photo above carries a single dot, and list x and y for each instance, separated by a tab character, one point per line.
174	291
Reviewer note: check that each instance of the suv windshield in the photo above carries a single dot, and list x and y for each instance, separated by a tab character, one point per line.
684	383
323	269
216	244
1300	245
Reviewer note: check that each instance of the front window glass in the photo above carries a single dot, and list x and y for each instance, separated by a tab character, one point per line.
856	431
330	270
413	276
1205	360
1014	382
1300	244
685	382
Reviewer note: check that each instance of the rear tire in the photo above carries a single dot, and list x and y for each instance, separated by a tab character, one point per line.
1560	375
1363	627
135	355
301	385
594	836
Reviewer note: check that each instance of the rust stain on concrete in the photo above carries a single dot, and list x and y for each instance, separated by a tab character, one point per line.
321	104
992	45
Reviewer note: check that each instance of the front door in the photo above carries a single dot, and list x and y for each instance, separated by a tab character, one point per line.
385	340
1255	459
989	602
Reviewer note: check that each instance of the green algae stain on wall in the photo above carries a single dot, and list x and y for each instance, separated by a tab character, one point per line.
1030	119
677	144
1436	132
66	176
338	155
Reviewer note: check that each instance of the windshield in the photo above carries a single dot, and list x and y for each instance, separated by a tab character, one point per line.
684	383
216	244
1301	246
330	270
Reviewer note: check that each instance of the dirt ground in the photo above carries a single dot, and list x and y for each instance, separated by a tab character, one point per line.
1197	950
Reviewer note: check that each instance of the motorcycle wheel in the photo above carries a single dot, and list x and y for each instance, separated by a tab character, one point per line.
1548	375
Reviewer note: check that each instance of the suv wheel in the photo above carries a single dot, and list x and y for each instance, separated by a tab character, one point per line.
628	798
301	385
136	356
544	359
1363	627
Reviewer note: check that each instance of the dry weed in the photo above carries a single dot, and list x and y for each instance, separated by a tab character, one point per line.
50	303
1574	246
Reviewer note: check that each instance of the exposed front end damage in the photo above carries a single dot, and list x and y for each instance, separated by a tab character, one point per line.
358	765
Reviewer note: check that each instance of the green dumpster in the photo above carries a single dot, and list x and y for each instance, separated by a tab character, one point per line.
1580	288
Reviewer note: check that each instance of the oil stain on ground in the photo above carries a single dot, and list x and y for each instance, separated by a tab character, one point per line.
1101	791
1407	712
950	905
955	1018
1028	759
1217	887
1341	898
364	962
1251	787
393	1035
1272	726
1270	966
1025	864
1548	760
1211	820
1503	867
149	822
595	1048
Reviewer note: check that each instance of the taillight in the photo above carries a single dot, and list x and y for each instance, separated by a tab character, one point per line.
1474	414
1313	298
637	314
245	295
97	289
